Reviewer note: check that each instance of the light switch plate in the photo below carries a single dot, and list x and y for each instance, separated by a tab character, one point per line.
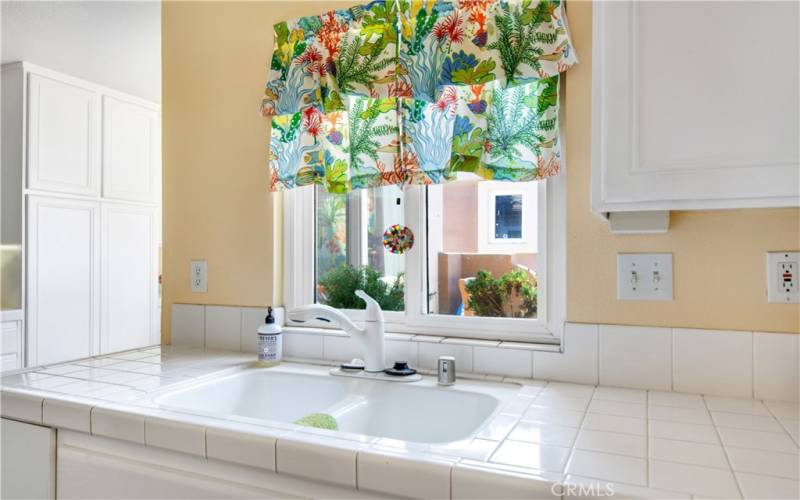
644	276
199	276
782	277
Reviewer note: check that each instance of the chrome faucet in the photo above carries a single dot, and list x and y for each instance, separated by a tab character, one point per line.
370	338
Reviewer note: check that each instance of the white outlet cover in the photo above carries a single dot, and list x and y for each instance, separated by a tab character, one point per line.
198	276
644	276
783	277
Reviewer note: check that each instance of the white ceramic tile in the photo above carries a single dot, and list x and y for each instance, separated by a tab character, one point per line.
341	348
532	455
763	487
758	440
736	405
330	463
675	414
637	410
302	345
251	447
507	362
477	483
685	452
553	389
400	350
118	423
251	319
517	405
537	432
394	473
776	369
578	362
784	409
498	428
599	488
621	395
636	357
187	327
615	423
562	402
770	463
223	328
174	435
742	421
19	406
682	431
429	355
612	442
713	362
614	468
65	414
695	479
569	418
476	449
793	428
676	399
62	369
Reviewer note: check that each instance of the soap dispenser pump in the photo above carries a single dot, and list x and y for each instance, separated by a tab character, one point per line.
270	341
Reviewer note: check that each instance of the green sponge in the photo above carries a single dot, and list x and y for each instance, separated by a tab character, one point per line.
319	420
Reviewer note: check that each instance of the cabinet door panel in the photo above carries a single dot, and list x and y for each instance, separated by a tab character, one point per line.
29	460
63	279
697	117
63	137
130	151
129	277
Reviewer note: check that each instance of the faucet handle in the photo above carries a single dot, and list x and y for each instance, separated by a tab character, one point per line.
374	311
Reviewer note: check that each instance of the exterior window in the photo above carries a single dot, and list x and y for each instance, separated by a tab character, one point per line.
483	263
508	217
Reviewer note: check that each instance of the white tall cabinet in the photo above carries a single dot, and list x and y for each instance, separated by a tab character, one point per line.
81	192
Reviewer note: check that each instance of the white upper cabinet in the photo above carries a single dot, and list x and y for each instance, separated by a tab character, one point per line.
130	151
63	137
129	272
695	105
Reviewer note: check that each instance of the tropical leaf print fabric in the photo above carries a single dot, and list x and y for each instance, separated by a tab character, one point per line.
414	91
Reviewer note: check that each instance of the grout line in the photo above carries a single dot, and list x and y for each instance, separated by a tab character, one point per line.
724	450
647	471
752	365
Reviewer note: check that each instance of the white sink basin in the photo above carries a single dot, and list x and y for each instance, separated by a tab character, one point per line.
418	411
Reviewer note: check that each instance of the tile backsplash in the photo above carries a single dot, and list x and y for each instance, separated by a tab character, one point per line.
713	362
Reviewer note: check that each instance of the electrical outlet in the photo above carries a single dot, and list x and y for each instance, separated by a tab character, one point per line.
644	276
782	277
199	276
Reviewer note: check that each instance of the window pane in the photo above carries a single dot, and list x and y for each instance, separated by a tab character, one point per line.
483	248
349	248
508	216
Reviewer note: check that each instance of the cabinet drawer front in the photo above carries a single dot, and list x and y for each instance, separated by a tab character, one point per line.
63	137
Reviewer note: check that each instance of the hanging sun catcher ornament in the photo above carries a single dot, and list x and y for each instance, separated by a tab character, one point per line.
398	239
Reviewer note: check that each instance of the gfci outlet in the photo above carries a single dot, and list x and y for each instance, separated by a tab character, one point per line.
644	276
199	276
782	277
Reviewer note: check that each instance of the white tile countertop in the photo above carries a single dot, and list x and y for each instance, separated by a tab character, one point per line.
646	444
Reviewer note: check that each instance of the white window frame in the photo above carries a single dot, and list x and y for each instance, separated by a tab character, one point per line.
299	264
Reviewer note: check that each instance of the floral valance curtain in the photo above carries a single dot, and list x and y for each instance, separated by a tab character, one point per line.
414	91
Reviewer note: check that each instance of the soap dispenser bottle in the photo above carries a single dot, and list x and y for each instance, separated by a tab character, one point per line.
270	341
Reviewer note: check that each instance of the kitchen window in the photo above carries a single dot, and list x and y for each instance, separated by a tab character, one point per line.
473	241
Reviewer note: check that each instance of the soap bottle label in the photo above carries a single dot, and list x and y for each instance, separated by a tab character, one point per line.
269	347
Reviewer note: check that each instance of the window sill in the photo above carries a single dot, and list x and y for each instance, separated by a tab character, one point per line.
545	343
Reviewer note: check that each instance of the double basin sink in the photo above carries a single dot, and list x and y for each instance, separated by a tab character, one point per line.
420	411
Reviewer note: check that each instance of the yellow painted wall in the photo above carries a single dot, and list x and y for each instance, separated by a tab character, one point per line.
216	204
